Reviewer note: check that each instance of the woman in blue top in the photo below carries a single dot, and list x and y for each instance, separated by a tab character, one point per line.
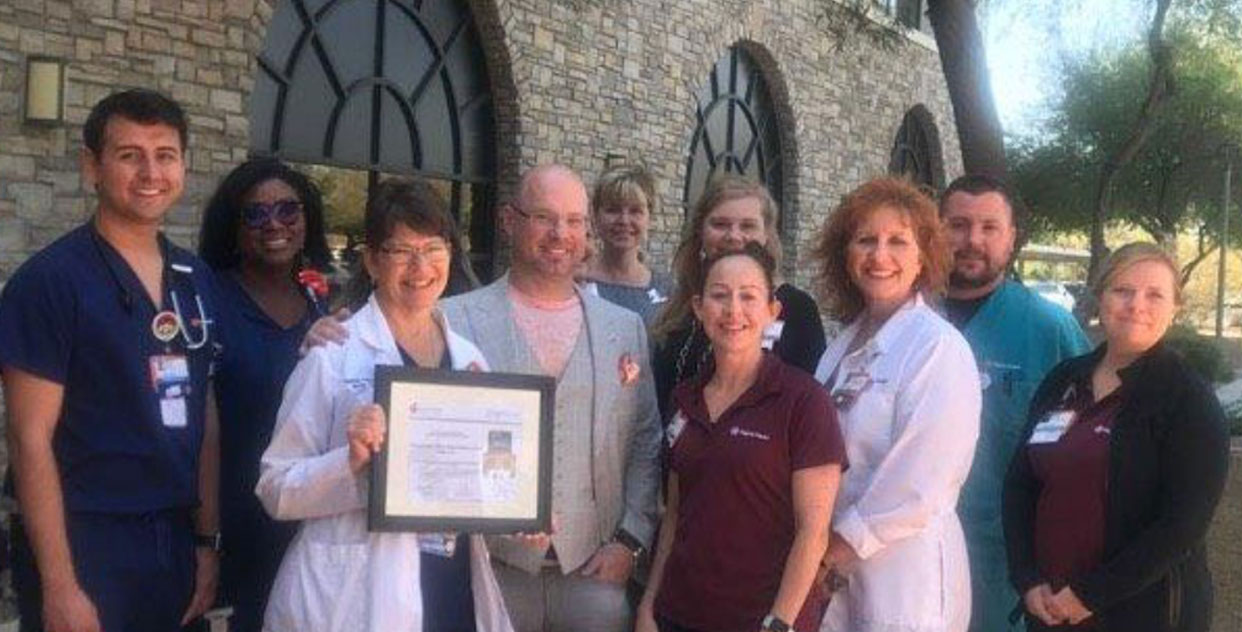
622	207
262	228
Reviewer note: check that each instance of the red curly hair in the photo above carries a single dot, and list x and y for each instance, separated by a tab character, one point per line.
837	290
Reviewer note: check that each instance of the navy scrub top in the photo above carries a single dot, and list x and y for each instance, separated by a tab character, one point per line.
258	357
75	313
448	596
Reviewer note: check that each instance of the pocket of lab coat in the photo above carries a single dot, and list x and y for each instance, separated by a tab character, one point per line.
316	588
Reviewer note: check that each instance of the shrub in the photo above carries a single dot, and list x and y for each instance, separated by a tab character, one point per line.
1233	417
1200	352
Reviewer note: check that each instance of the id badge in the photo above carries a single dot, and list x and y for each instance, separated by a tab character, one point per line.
674	428
441	544
855	384
1052	427
772	333
170	378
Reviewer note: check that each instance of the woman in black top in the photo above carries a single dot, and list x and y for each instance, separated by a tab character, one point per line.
731	212
1107	504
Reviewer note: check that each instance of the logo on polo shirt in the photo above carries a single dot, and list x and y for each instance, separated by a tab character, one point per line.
742	432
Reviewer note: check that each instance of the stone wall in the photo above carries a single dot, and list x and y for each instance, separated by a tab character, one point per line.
573	82
619	79
199	52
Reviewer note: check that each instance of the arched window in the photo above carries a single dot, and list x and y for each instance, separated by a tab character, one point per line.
389	87
736	128
916	150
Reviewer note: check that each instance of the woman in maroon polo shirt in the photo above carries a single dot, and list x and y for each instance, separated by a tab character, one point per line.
755	457
1107	503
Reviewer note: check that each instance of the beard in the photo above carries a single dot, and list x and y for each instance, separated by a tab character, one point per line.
963	281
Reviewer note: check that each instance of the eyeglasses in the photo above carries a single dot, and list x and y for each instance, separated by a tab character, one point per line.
432	252
259	214
548	221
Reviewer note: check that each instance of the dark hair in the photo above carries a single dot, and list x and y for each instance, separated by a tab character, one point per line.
837	289
978	184
217	239
406	202
751	250
139	105
410	203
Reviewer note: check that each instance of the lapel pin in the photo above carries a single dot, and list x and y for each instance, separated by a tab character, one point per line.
628	369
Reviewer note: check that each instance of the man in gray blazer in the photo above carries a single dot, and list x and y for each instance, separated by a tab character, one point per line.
607	431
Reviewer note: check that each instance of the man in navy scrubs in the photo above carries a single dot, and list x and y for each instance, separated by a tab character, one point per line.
106	344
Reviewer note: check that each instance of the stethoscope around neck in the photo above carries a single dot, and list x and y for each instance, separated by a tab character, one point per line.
183	328
192	342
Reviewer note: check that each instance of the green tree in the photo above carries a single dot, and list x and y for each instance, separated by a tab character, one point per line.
1171	182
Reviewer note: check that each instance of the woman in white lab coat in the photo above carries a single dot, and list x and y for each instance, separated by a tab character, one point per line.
907	394
337	576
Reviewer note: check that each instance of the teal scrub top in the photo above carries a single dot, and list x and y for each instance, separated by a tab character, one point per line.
1017	337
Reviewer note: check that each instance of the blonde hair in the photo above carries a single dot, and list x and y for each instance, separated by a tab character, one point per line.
625	184
688	260
1130	254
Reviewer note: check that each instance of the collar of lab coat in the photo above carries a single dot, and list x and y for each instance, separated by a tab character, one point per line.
372	331
882	341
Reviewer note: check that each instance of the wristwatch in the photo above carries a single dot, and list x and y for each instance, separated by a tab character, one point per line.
773	623
208	541
631	543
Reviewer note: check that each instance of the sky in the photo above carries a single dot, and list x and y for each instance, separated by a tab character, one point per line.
1025	39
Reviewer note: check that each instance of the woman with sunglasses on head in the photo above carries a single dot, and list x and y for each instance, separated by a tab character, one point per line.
755	455
1109	499
907	392
732	212
262	228
338	576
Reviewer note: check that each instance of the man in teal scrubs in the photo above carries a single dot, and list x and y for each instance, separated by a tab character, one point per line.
1017	336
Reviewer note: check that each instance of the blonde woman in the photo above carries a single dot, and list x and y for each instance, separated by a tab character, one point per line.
1123	462
621	207
732	212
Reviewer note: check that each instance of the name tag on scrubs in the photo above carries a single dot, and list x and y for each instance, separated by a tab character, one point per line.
170	376
1052	427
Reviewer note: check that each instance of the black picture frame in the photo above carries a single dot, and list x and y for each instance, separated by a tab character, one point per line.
384	513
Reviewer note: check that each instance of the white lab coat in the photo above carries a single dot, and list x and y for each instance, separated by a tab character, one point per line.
337	576
910	436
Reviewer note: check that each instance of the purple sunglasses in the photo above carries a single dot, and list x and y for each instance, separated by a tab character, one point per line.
259	214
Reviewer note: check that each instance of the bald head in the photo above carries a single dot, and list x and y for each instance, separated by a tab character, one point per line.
551	177
547	225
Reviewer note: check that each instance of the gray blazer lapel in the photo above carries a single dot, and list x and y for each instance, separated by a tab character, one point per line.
489	324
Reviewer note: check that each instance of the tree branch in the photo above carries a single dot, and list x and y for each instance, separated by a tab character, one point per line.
1159	90
1202	256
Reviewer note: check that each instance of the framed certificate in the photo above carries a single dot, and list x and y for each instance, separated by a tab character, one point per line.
465	451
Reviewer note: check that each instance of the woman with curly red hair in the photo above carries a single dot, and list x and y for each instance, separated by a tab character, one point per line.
907	394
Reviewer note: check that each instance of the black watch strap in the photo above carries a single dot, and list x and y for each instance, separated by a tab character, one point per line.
627	540
209	541
773	623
